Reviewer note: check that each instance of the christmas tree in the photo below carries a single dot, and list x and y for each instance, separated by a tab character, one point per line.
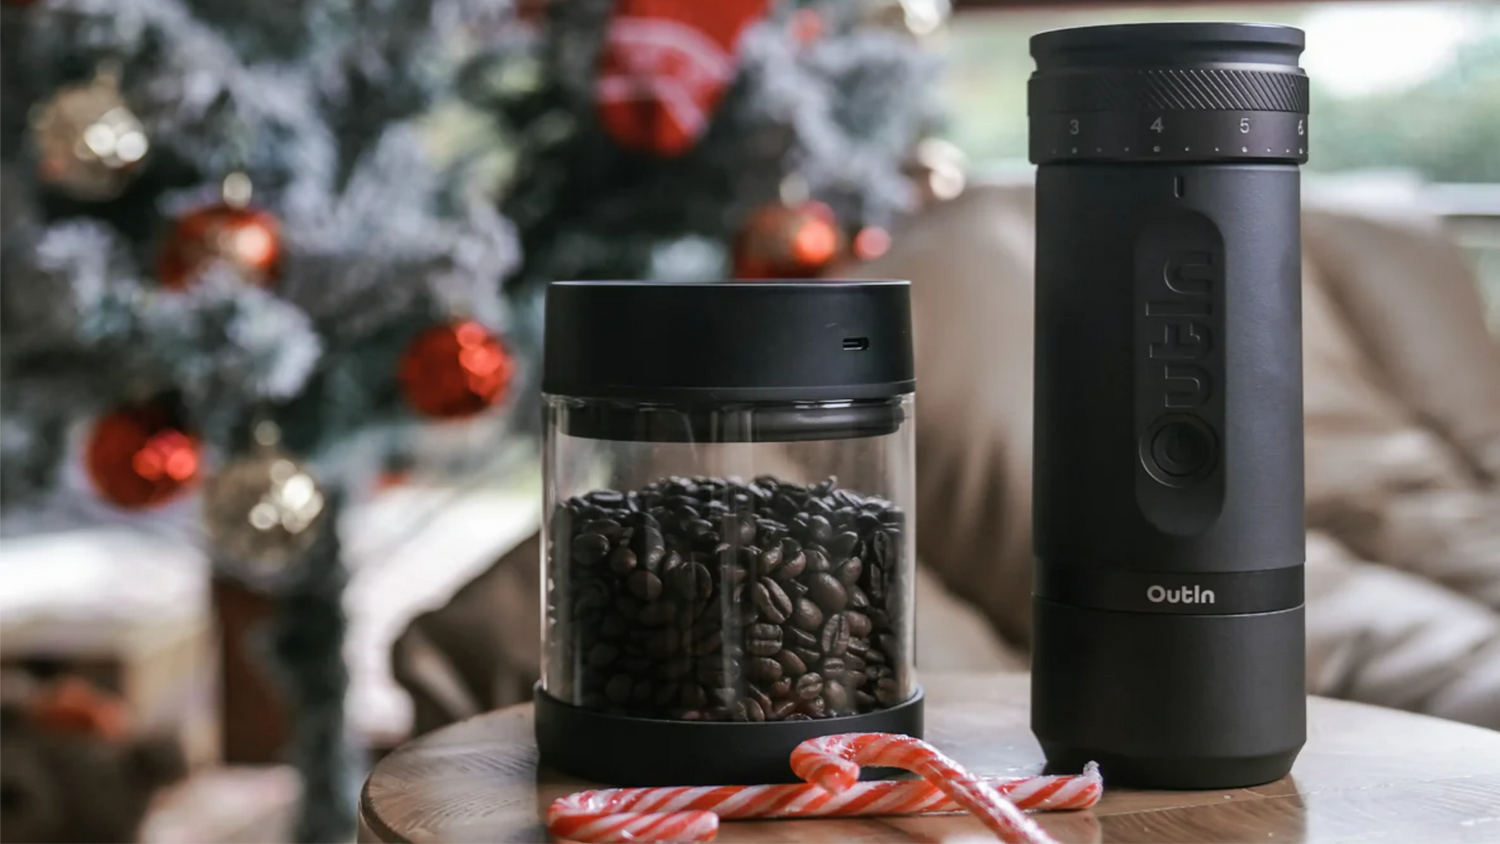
677	139
230	259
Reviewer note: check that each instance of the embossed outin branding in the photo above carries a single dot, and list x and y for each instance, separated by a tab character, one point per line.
1181	595
1180	330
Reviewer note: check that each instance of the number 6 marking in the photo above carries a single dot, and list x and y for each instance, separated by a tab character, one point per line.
1301	129
1073	127
1244	125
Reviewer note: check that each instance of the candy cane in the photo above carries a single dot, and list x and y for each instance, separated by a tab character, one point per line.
608	814
833	762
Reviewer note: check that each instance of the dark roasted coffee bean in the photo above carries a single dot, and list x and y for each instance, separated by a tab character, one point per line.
764	640
768	560
880	672
705	645
719	713
748	557
592	595
754	693
875	583
743	532
642	692
753	711
674	669
858	647
722	696
859	623
887	692
792	566
698	528
606	498
879	618
817	707
772	601
663	643
614	626
783	709
603	654
809	686
875	656
627	606
764	669
842	545
692	581
795	588
806	615
866	523
644	585
883	548
798	716
817	561
864	701
801	638
692	715
858	599
849	571
635	663
692	696
608	528
784	504
807	655
838	697
670	563
589	548
647	520
618	688
829	594
855	679
820	530
791	664
818	507
658	614
714	673
665	695
835	636
622	561
832	668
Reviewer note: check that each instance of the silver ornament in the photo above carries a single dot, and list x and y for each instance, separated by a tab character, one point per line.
938	168
262	513
89	144
918	18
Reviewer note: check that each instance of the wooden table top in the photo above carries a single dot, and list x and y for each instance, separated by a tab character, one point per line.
1367	774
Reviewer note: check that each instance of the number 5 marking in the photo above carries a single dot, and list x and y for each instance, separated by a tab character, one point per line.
1244	125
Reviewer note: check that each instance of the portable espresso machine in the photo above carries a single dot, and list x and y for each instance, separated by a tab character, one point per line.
1168	593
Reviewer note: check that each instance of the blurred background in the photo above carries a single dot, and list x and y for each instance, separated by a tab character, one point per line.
270	281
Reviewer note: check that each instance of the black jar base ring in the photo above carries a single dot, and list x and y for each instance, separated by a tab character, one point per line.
626	751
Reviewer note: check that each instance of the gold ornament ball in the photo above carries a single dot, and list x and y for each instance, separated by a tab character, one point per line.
89	144
262	512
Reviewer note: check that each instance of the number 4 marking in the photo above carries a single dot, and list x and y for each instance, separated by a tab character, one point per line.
1157	127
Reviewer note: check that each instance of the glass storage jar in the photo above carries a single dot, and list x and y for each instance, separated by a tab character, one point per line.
729	547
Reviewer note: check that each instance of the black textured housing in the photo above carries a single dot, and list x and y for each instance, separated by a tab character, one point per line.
1167	483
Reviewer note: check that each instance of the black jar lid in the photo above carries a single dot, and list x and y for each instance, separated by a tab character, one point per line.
713	342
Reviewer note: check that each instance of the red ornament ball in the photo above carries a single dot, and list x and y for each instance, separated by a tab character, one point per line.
781	241
455	370
246	239
139	457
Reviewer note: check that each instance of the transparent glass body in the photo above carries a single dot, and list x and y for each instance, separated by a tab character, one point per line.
744	563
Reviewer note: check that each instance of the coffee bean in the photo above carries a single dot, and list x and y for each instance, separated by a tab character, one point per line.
674	669
832	668
663	643
771	600
858	647
858	599
753	711
829	594
859	623
606	498
627	606
806	615
618	688
614	626
817	707
875	582
817	561
705	645
842	545
658	614
622	561
809	686
592	595
764	669
798	716
642	692
603	654
849	571
855	679
791	664
692	581
837	696
714	674
887	693
644	585
807	655
820	530
765	640
692	696
590	548
883	548
608	528
864	701
801	638
835	636
783	710
754	693
769	559
664	695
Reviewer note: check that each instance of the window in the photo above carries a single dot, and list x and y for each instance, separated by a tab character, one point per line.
1402	86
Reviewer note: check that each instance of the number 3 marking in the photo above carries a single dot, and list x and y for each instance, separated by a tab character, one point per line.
1072	127
1244	125
1157	127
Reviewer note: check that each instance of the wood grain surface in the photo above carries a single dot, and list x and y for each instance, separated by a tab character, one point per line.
1367	774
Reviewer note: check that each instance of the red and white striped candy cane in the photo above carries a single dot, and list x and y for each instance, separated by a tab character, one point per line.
834	761
592	815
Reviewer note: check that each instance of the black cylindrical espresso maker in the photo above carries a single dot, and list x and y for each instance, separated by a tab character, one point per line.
1168	622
